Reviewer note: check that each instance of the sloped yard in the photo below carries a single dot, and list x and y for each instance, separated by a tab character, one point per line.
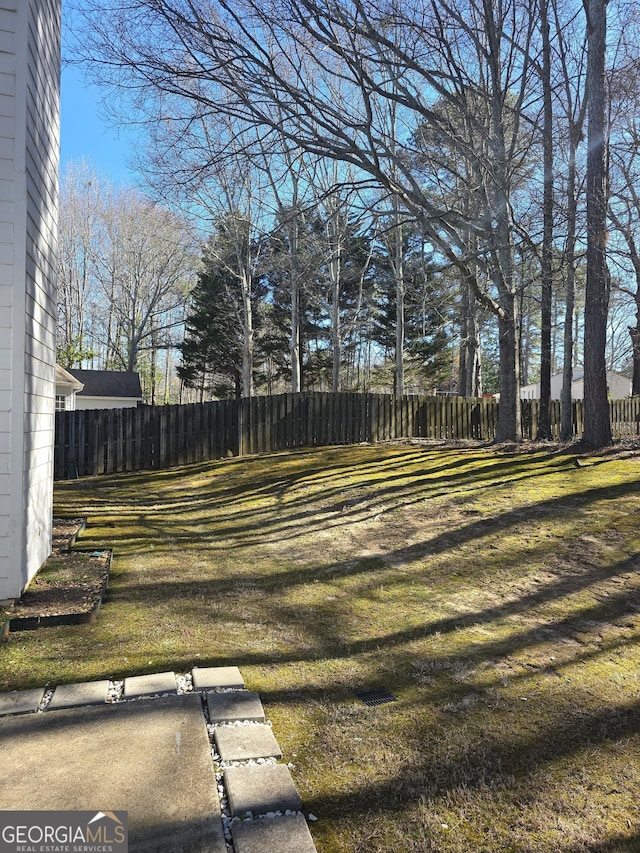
495	595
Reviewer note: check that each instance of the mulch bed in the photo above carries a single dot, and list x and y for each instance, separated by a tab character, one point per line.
68	589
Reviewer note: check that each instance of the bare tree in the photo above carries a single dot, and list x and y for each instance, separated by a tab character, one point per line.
572	104
544	416
293	228
79	240
215	169
291	183
597	426
340	209
624	201
624	211
126	266
322	75
145	269
237	247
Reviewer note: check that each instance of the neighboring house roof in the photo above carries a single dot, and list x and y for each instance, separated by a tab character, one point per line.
108	383
64	380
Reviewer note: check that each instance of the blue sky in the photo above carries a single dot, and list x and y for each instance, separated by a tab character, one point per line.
84	134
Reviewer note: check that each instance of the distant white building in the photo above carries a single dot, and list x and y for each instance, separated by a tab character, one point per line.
29	158
106	389
618	387
67	386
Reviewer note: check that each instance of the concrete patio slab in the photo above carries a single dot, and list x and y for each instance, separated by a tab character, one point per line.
210	677
148	685
267	788
268	835
73	695
151	759
20	701
240	705
240	743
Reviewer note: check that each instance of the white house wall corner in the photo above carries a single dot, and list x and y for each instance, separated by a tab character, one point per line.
29	162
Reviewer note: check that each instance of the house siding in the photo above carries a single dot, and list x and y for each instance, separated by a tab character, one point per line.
85	403
29	156
618	387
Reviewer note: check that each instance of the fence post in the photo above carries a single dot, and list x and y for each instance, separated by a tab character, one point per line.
106	441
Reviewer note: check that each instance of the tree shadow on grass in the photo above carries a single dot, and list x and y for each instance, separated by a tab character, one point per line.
500	769
322	639
619	844
569	728
326	508
166	533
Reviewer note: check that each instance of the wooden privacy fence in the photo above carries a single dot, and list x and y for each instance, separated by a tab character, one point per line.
152	437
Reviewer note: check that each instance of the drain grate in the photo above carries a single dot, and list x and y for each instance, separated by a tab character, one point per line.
377	696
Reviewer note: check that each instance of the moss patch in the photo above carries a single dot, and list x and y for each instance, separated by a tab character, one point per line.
496	595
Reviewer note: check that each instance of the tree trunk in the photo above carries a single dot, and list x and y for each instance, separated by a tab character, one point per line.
634	331
469	368
400	292
294	245
566	426
524	333
334	277
296	379
544	412
463	352
152	367
597	426
247	333
476	371
509	426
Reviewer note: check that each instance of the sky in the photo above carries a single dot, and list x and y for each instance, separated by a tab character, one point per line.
84	134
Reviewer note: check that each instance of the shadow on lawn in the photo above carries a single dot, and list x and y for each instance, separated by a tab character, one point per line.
569	727
619	844
168	532
491	766
325	508
319	643
125	588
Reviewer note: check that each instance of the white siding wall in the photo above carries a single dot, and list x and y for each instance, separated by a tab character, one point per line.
29	153
618	387
105	403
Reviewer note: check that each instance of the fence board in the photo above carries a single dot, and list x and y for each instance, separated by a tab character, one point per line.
152	437
484	419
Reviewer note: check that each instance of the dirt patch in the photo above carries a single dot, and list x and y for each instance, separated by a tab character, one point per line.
64	533
71	582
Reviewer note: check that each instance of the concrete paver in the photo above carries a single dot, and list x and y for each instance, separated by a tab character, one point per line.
210	677
151	759
281	834
262	789
20	701
240	705
85	693
147	685
240	743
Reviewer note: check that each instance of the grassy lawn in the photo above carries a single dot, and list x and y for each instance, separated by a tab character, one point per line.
496	595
